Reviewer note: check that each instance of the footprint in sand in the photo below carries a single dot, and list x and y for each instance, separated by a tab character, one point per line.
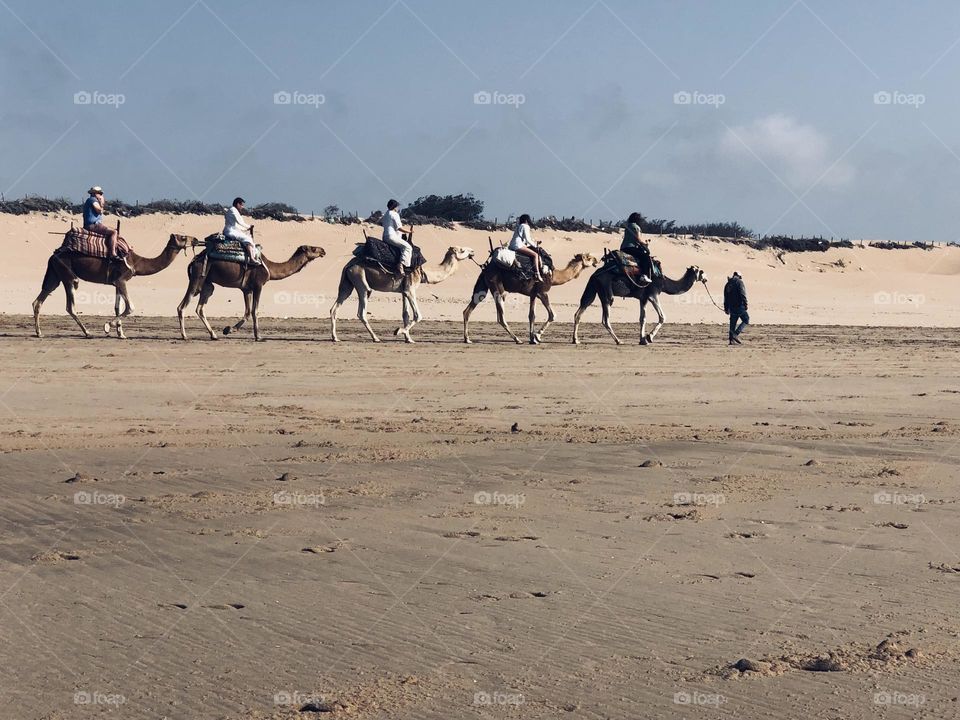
522	595
669	516
746	535
55	556
228	606
320	549
461	534
516	538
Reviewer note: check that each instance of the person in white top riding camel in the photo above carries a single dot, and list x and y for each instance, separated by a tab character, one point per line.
234	228
393	231
522	242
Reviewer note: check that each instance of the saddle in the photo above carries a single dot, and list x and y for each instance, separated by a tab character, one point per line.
519	264
627	265
524	268
90	243
219	247
378	253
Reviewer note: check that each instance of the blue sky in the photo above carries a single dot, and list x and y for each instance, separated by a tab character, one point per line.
761	111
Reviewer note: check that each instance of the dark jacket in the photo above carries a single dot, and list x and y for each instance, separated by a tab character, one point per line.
734	295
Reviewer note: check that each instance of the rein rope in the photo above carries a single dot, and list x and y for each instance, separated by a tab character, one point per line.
711	296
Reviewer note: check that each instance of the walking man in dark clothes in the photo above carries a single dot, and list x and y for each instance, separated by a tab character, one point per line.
735	305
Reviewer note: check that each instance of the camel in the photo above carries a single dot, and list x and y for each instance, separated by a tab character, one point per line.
68	268
364	279
500	280
602	283
204	274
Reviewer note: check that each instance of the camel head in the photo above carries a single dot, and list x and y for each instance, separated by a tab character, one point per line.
311	252
180	242
586	259
459	253
699	274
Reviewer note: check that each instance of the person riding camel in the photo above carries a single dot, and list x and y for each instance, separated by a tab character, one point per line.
636	247
93	221
393	232
234	228
522	242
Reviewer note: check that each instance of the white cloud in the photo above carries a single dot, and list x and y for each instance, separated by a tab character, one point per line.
798	153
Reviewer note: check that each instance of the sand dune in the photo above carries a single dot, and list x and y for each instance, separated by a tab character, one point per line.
859	286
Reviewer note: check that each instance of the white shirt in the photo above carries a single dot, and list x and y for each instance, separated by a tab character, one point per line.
233	222
391	226
522	238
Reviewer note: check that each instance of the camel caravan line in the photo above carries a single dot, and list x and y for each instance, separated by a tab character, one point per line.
390	265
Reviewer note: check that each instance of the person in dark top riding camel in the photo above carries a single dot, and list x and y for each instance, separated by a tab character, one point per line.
636	247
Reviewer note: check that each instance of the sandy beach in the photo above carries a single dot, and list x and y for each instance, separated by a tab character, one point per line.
242	530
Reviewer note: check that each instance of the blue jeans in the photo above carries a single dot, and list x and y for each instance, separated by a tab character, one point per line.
735	316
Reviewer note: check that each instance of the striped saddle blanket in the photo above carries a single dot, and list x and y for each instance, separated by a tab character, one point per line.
85	242
224	248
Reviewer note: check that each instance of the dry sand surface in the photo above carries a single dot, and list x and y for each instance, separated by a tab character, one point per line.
236	530
858	286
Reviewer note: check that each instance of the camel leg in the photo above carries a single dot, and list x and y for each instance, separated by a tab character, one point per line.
643	322
194	282
532	318
576	323
343	292
410	307
655	301
417	316
121	286
246	315
50	282
467	312
255	302
498	300
191	291
405	317
362	313
107	326
605	307
205	294
479	295
68	288
586	300
545	299
128	308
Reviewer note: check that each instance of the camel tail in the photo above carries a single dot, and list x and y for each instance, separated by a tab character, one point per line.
480	290
590	293
51	278
345	288
194	270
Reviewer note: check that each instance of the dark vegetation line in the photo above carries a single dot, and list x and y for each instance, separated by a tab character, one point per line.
446	210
